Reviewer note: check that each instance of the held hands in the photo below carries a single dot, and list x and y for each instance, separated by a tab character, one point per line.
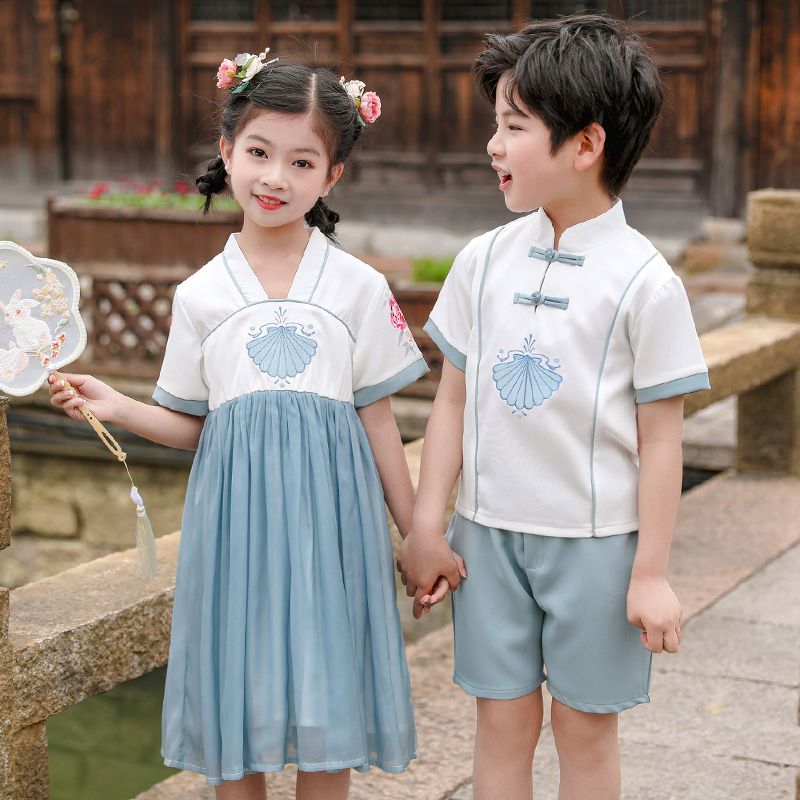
428	568
100	398
654	608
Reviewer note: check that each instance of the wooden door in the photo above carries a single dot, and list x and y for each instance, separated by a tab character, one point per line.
118	88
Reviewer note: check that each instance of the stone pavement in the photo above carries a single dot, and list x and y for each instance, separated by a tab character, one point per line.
723	722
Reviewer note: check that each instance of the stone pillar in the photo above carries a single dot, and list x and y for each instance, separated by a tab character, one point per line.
769	416
23	753
6	683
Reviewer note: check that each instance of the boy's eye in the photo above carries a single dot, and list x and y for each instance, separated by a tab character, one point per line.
303	164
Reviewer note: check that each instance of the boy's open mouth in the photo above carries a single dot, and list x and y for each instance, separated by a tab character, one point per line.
505	180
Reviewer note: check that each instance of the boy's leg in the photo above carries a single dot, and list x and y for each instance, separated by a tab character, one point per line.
588	753
251	787
323	785
506	738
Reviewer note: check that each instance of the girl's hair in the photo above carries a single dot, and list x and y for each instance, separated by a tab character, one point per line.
291	89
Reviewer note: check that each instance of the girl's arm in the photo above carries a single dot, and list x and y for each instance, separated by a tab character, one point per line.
390	458
156	423
652	605
425	555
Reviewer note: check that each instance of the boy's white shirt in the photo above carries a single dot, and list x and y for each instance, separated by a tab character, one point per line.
363	351
550	435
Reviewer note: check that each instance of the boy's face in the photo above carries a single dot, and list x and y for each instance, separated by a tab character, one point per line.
530	177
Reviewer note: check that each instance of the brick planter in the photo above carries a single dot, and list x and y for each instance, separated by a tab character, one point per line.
80	233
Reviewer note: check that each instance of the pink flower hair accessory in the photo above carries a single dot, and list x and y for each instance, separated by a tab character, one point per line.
244	67
368	104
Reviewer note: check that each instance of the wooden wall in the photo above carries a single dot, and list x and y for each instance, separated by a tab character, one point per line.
95	89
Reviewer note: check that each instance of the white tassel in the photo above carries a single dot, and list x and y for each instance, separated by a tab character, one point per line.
145	539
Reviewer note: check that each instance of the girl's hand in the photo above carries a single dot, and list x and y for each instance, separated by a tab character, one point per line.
440	589
654	608
100	398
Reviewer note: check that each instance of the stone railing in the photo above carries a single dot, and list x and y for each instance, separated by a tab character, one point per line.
97	625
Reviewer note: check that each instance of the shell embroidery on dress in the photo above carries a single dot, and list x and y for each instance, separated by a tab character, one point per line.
525	378
282	349
405	338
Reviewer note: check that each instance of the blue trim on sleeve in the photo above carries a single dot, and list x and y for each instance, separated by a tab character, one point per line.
455	357
691	383
370	394
199	408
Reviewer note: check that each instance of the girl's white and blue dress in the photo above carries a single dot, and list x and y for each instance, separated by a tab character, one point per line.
286	642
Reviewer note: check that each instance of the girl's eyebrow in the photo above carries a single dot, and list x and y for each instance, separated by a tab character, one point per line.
311	150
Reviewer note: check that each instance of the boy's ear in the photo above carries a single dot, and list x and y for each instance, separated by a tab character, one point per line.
591	142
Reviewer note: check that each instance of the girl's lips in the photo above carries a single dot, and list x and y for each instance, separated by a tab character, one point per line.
269	203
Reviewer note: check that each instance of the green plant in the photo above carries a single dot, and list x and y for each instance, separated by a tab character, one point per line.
430	270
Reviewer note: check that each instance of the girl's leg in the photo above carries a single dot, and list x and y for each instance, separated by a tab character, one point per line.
251	787
505	741
588	754
323	785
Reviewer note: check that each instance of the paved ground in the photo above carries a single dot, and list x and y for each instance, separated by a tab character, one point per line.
723	722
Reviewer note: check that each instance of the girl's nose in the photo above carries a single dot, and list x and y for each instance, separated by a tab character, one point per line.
274	177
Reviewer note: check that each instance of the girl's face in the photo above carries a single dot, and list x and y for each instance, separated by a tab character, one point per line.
278	167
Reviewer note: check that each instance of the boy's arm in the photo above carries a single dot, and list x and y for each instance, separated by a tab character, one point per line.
652	605
425	555
390	458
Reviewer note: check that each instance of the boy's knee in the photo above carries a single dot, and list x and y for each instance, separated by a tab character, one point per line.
582	733
518	720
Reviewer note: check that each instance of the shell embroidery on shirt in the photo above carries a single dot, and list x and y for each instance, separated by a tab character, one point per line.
282	349
525	378
405	338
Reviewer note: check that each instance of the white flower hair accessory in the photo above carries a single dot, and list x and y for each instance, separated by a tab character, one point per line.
244	67
368	104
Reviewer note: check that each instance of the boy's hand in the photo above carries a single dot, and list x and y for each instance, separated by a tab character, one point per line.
100	398
654	608
423	559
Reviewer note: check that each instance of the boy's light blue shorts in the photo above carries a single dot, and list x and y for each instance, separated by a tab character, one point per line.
536	606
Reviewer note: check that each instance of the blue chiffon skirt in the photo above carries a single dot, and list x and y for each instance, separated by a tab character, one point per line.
286	642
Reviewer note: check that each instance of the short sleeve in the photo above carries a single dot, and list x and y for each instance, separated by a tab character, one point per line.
667	357
450	321
386	357
181	385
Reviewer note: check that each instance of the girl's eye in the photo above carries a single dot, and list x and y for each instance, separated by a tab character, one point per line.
303	164
257	152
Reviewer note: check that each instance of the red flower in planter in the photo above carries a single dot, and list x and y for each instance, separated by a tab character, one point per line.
98	190
396	314
181	187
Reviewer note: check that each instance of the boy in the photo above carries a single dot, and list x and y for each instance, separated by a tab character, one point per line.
569	345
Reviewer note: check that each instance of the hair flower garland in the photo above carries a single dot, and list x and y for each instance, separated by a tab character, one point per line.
368	104
244	67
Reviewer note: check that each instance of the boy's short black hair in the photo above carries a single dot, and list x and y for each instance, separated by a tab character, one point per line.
574	71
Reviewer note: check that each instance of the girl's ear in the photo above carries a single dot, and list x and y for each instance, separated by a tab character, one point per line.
336	173
225	150
591	143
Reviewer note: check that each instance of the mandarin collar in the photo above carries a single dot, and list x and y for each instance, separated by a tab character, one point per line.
581	237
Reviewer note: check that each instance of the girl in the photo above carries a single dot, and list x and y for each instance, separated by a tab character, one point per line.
286	644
